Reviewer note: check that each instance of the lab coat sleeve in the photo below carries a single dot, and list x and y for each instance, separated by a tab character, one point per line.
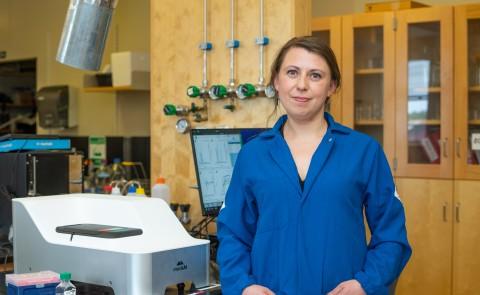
236	226
388	250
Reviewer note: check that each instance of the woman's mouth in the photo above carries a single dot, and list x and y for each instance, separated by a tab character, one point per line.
300	99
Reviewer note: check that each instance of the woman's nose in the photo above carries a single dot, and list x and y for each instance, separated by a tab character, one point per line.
302	83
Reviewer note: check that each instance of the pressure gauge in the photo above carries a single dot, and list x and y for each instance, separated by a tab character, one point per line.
270	91
182	126
245	91
217	92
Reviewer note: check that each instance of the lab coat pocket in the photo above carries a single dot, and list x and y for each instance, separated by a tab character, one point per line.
265	259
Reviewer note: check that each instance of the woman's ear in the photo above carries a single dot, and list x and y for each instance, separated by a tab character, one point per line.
333	88
275	83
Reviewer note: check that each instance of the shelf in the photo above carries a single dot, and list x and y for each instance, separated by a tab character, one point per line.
427	90
369	71
136	81
112	89
474	122
369	122
424	122
474	88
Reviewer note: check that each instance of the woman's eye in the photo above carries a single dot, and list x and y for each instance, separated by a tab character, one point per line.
291	73
316	76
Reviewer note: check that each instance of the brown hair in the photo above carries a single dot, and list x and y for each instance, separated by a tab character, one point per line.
313	45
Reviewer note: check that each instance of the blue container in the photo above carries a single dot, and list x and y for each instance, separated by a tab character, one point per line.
43	289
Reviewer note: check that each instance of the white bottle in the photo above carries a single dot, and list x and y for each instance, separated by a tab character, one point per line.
161	190
116	191
65	287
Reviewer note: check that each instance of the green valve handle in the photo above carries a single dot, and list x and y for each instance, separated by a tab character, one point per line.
245	90
217	91
170	110
193	91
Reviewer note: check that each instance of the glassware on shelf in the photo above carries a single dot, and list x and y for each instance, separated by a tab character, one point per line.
435	74
474	114
476	73
358	112
377	111
368	111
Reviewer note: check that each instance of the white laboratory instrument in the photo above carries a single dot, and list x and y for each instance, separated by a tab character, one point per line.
164	254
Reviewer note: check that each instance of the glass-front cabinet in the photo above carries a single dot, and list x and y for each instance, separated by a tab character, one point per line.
328	29
466	263
424	101
368	71
467	92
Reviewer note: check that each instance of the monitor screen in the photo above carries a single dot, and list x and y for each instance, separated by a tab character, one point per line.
215	152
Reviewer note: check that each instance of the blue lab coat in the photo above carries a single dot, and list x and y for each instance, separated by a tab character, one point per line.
307	242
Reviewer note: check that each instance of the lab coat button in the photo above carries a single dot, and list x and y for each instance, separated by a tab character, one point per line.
330	139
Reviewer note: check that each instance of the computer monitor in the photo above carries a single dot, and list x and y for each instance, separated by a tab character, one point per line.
215	152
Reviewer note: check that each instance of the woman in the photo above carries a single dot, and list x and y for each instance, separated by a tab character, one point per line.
292	221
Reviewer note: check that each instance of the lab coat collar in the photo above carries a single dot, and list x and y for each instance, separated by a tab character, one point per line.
281	154
333	127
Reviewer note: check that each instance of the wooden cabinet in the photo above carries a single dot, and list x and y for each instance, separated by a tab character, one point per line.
329	30
428	209
398	85
424	93
422	67
466	238
368	72
442	218
467	92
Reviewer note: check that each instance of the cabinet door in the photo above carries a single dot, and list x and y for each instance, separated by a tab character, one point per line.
466	261
424	112
467	92
428	208
368	76
329	30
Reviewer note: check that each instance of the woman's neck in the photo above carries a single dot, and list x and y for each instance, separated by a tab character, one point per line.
315	128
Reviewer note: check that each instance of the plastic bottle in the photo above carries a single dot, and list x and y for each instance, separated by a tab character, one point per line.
116	191
140	192
65	287
161	190
132	191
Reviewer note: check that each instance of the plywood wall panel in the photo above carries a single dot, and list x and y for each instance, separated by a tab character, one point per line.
176	32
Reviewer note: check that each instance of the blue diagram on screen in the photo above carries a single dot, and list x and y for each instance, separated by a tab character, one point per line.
215	153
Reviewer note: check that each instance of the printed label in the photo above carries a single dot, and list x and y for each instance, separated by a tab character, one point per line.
475	141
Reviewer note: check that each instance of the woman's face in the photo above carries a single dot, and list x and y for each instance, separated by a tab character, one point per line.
303	84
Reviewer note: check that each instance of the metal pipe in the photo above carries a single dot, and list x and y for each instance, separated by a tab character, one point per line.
261	79
204	81
85	32
231	82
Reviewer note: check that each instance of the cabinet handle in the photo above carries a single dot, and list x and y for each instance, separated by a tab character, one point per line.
445	212
457	212
457	147
445	154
